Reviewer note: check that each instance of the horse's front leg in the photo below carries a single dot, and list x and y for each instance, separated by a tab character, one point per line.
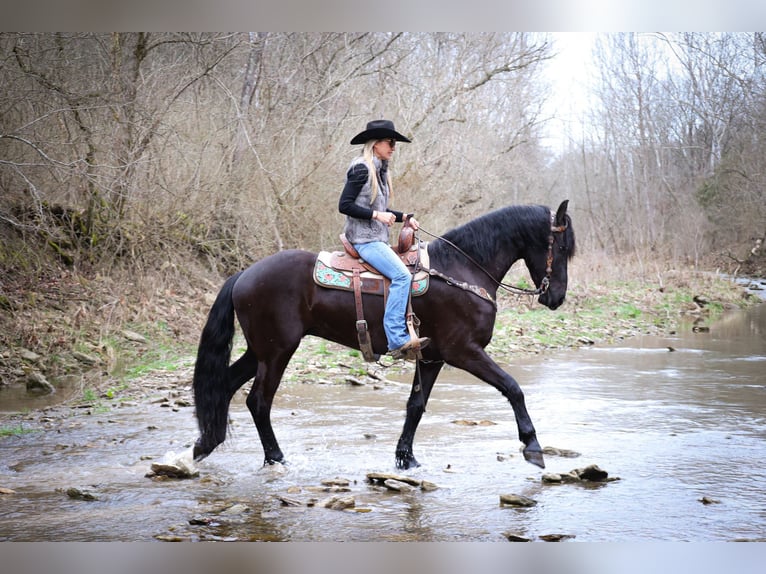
422	384
479	364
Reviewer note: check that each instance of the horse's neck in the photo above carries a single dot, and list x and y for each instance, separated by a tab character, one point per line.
502	264
480	265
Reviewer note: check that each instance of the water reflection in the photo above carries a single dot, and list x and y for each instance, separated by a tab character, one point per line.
676	427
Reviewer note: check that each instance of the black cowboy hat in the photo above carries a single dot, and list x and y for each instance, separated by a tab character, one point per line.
378	130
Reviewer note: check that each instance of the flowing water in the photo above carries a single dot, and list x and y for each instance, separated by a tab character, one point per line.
683	429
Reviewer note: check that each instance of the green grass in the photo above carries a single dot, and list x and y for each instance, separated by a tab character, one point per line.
159	363
628	311
17	430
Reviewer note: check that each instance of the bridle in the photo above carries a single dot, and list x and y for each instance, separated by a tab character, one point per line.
545	283
480	291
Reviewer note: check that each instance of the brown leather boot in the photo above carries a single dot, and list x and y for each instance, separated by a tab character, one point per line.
410	350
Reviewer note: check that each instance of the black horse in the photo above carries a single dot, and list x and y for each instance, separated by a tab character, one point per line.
277	303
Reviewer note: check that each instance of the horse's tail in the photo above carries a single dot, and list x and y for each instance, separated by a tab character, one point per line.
211	372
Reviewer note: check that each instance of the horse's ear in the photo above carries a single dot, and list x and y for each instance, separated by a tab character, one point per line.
561	213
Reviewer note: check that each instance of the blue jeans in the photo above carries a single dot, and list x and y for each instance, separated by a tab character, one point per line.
382	257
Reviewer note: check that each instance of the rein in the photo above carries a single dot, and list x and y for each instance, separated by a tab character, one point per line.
480	291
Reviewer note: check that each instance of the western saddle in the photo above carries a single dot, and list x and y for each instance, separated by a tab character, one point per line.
347	270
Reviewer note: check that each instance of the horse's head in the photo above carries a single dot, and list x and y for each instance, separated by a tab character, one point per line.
548	264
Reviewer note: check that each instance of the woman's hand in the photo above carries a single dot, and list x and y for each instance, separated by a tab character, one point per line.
412	222
385	217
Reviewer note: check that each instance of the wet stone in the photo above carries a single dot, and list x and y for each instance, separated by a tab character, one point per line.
556	537
381	477
562	452
588	474
37	383
287	501
337	502
236	509
78	494
400	483
552	478
514	537
336	481
174	466
516	500
328	489
398	486
560	478
427	486
202	521
592	473
354	382
171	538
467	423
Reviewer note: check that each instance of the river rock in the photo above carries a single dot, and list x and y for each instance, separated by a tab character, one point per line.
37	383
287	501
516	500
556	537
552	478
592	473
79	494
337	481
235	509
398	486
427	486
381	478
337	502
467	423
328	489
562	452
354	382
560	478
514	537
174	466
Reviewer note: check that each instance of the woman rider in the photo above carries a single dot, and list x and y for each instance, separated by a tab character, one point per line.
365	203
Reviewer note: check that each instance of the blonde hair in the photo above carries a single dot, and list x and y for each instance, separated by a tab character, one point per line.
368	155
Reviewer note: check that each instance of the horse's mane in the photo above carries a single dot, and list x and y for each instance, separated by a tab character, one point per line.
503	230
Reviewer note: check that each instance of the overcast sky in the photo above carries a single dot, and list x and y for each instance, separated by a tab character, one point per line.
569	72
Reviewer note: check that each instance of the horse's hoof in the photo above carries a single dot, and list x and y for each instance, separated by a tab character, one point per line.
199	452
405	463
534	457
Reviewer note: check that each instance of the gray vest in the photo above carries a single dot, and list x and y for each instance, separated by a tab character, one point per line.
368	230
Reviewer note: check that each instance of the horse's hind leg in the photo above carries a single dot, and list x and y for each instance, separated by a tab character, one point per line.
241	371
422	384
260	399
